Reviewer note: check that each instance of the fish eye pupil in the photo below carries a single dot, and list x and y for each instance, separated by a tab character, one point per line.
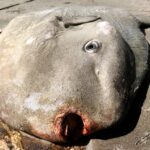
90	46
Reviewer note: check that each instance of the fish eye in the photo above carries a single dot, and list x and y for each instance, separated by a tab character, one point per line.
91	46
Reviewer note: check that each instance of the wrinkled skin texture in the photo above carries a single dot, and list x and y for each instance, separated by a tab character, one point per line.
46	75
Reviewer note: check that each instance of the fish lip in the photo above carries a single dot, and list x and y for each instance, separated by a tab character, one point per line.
48	143
34	137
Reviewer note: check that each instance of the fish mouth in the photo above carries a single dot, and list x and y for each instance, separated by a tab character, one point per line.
73	127
70	127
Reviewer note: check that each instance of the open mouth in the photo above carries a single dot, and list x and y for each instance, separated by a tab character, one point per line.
73	127
69	129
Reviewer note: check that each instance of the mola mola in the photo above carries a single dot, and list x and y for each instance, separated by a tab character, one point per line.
69	72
